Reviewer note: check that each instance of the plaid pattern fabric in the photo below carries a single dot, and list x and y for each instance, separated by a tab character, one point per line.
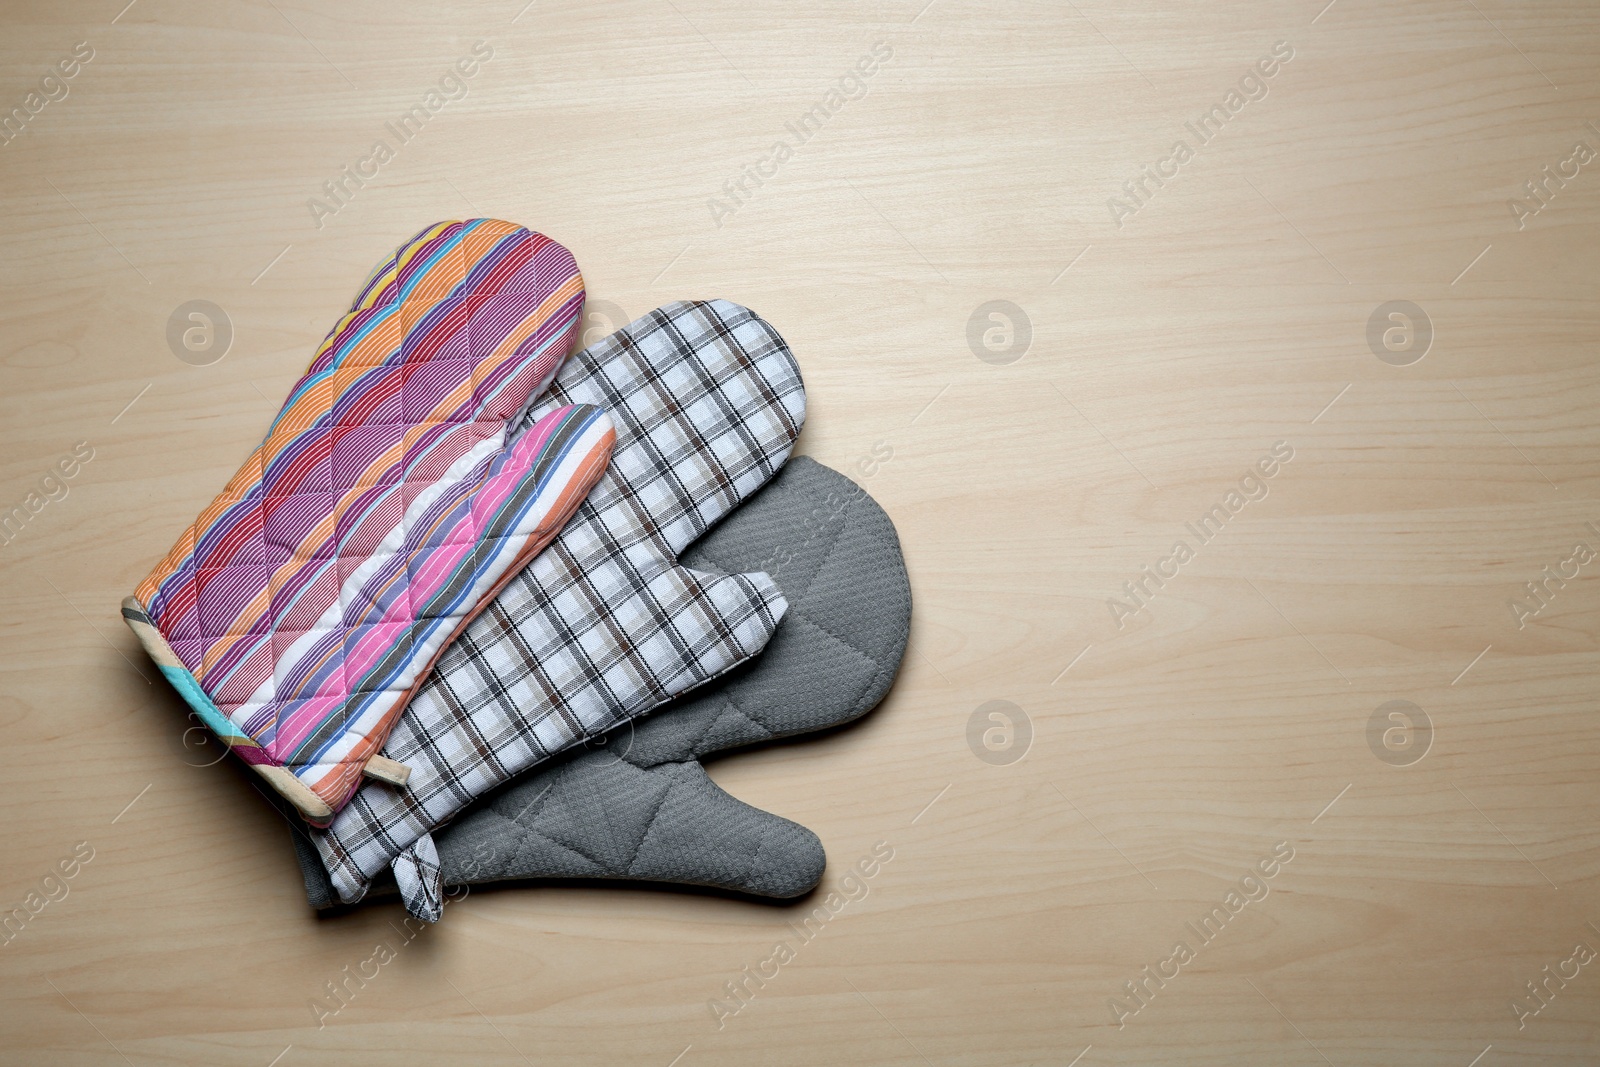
604	625
416	873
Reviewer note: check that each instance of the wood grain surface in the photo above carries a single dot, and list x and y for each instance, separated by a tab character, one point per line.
1048	378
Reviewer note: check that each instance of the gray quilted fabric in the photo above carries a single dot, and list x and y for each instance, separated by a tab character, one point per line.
641	807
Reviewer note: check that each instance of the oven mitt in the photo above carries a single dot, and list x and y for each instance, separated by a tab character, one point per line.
389	501
640	807
605	625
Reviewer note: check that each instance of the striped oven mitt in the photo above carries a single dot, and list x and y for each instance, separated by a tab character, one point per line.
606	625
396	491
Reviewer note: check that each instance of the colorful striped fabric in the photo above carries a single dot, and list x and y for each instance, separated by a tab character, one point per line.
388	503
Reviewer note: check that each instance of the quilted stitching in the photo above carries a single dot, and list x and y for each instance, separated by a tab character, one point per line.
388	498
832	658
604	626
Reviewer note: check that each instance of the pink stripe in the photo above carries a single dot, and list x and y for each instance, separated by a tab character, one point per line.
298	724
442	561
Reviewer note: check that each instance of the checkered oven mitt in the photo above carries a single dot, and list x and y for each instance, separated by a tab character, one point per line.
640	807
397	489
606	625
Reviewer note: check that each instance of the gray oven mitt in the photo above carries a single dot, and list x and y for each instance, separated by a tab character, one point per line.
641	807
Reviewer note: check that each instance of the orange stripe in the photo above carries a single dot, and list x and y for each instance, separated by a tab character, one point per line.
577	488
294	421
251	611
224	643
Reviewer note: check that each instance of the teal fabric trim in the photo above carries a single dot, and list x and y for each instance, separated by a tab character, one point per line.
185	684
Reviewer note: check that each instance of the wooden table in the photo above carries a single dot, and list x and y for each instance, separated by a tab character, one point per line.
1055	346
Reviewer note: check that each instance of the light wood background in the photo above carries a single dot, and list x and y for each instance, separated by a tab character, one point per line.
1166	356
